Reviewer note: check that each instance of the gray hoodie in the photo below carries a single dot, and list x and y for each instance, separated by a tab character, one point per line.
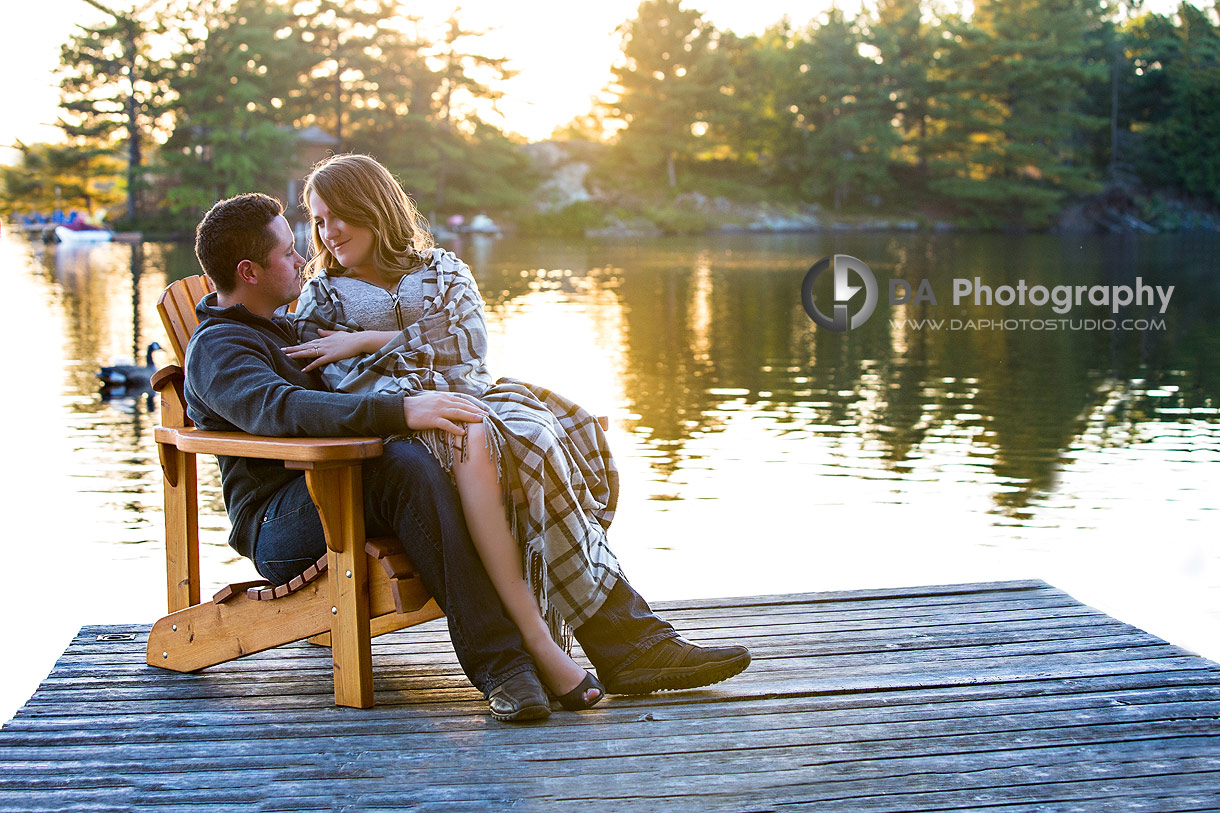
239	379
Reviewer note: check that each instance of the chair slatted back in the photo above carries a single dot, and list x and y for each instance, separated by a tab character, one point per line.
177	309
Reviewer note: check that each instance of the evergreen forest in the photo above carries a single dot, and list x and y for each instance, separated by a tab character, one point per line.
999	114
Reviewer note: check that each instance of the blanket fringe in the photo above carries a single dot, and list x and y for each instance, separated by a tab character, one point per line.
533	563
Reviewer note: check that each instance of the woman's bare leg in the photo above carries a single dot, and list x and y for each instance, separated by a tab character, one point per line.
480	491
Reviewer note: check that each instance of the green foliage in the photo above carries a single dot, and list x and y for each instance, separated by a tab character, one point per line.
571	221
474	166
907	43
244	78
114	91
61	176
841	111
1007	125
344	83
668	81
483	171
227	138
1004	116
675	219
1171	214
1175	118
749	120
736	181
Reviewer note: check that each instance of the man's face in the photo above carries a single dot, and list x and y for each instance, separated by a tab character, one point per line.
282	270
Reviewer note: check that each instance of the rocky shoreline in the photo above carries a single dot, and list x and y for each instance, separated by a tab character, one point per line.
570	204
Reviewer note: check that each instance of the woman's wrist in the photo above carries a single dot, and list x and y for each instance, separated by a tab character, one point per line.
374	340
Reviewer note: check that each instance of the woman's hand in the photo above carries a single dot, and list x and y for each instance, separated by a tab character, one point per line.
441	410
336	345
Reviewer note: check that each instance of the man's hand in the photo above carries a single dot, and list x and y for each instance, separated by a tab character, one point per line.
336	345
441	410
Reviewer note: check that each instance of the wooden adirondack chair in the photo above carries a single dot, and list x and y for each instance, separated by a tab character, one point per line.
362	588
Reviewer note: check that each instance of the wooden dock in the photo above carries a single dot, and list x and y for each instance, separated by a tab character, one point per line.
1008	696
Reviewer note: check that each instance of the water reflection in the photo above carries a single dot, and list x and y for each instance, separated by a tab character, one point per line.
107	297
758	455
1066	453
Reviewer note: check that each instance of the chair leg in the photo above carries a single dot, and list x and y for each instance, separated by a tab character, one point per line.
181	527
337	494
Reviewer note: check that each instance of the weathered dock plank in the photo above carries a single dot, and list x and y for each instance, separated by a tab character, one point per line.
1007	697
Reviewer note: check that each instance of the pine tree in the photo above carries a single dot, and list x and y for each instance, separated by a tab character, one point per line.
749	123
839	101
435	87
1011	116
231	85
906	41
340	45
1174	100
464	76
113	90
664	86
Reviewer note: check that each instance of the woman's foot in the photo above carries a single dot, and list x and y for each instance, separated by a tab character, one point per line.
578	698
564	677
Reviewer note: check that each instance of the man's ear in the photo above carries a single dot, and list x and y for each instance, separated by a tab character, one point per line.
247	272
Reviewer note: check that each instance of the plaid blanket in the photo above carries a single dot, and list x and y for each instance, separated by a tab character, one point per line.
560	483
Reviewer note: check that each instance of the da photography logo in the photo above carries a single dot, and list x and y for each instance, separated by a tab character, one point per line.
1024	306
843	267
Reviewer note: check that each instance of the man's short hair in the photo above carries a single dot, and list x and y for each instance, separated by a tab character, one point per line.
236	229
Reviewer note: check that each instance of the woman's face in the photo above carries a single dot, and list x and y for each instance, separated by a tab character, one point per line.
350	244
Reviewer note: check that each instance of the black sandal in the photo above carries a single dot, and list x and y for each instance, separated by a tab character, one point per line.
575	699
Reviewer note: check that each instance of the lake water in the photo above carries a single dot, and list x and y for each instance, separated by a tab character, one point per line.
759	454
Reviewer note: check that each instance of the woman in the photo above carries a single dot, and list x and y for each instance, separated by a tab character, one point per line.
385	309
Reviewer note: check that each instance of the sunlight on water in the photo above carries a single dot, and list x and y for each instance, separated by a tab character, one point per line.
757	456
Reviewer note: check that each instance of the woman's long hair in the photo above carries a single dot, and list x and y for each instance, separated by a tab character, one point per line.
360	191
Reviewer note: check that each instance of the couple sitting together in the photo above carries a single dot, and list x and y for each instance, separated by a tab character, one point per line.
501	491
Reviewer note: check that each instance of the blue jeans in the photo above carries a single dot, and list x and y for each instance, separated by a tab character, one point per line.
621	630
408	495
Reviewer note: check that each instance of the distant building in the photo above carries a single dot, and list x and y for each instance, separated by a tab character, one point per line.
313	144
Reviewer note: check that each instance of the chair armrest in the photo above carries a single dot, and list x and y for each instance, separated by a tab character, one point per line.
239	444
166	376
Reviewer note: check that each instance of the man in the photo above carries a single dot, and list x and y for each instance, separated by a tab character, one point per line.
238	378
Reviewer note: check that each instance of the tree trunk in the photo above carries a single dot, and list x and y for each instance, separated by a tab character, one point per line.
1114	109
669	168
442	168
133	158
339	105
86	176
920	150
